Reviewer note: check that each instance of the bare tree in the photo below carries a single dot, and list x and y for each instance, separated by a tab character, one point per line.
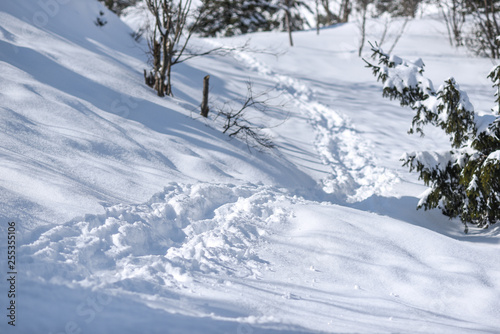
324	14
288	18
174	24
345	10
389	11
484	38
237	122
330	17
166	44
362	9
290	14
453	12
317	16
387	23
399	34
473	23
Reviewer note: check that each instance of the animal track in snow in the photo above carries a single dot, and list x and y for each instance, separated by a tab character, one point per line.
354	175
182	232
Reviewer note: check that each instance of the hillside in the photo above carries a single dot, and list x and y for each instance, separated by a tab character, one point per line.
134	214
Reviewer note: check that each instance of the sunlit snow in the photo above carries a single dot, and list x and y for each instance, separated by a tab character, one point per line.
137	215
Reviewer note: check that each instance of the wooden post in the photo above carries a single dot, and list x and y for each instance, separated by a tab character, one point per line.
204	103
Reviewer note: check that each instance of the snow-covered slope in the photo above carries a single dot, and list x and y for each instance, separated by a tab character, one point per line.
77	117
136	215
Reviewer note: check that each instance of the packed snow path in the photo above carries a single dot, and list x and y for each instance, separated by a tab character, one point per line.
353	174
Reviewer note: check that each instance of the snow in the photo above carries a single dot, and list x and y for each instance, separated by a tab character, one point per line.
135	214
494	156
431	160
484	122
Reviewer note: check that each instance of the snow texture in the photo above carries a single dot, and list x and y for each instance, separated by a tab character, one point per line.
134	214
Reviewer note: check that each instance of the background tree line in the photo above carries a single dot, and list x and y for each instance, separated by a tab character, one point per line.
474	24
235	17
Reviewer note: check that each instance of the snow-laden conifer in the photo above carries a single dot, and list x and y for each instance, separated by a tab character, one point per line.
465	180
236	17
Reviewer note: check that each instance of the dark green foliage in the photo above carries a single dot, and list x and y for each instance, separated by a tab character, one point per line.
408	95
117	6
326	20
295	8
235	17
457	118
397	7
495	78
100	20
446	189
464	181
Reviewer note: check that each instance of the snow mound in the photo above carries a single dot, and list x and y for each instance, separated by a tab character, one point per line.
182	231
271	253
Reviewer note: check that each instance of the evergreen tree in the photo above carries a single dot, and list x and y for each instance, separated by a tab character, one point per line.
465	180
296	9
290	15
397	7
329	17
117	6
235	17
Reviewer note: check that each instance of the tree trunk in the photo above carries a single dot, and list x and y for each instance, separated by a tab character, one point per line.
288	22
167	65
345	10
204	102
317	17
329	15
496	29
168	86
156	55
147	79
161	86
363	31
489	26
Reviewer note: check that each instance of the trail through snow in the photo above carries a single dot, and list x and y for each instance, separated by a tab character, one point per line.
354	174
182	231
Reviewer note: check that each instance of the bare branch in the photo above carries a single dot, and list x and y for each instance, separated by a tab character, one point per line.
237	124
